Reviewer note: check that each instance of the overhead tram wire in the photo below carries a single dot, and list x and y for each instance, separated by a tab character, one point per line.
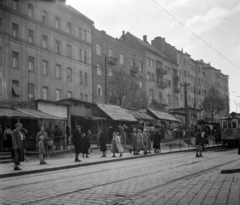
196	35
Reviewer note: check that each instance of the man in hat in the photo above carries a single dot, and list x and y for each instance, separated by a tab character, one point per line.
77	142
18	138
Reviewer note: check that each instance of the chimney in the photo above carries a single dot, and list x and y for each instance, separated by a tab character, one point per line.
145	38
123	33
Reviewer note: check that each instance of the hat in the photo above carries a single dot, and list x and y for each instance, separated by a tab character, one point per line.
17	124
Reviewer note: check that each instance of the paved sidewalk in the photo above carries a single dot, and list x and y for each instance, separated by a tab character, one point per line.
32	167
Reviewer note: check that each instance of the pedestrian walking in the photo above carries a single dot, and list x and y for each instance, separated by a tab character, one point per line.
121	132
18	139
77	142
45	138
145	141
89	135
140	144
203	139
58	137
85	145
133	145
156	140
103	146
41	149
149	147
116	145
198	143
7	137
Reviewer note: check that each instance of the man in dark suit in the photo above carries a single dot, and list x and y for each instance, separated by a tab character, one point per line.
18	139
77	142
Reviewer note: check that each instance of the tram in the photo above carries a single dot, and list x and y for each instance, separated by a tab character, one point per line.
230	129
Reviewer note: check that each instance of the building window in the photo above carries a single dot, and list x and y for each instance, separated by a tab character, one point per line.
57	22
69	28
85	57
44	17
45	68
110	53
99	69
81	78
69	51
151	93
15	88
160	97
69	95
86	98
58	46
131	63
140	67
85	79
58	72
15	30
15	60
148	75
15	4
169	99
30	91
140	82
30	63
81	96
45	93
99	89
85	35
30	10
80	33
98	49
44	41
181	96
30	36
80	55
121	59
184	61
58	94
169	83
148	61
110	72
69	74
152	63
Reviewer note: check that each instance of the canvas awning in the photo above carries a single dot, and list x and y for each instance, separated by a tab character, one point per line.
38	114
140	115
117	113
163	115
10	113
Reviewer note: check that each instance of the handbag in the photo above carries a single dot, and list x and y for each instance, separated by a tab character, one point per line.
199	148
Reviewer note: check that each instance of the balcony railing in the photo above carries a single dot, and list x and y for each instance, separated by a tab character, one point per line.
161	71
162	84
133	69
177	90
112	61
176	78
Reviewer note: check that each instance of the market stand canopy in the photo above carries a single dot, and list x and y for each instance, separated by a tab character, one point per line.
38	114
163	115
116	113
10	113
140	115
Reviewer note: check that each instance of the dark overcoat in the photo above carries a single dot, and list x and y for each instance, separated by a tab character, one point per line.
198	139
156	140
77	141
102	141
85	144
17	143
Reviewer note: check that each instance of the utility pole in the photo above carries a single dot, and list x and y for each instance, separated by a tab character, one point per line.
106	77
185	85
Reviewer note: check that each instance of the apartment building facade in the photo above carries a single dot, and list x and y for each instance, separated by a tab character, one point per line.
42	55
110	56
160	73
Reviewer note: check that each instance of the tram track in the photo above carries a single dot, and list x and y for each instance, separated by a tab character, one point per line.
122	198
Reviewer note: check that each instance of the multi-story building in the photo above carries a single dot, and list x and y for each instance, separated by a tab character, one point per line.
160	69
214	77
45	51
110	55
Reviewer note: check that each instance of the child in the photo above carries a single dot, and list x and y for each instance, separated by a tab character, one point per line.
41	150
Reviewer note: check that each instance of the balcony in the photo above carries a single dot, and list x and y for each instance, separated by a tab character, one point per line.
112	61
133	69
177	90
176	77
161	71
162	84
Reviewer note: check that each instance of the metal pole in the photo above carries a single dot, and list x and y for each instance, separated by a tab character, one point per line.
106	76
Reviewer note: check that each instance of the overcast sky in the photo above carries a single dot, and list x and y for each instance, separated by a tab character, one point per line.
215	21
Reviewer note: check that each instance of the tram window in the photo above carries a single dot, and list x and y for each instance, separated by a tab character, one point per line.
229	124
224	124
234	124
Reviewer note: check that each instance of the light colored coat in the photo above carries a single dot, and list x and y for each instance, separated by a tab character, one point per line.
116	144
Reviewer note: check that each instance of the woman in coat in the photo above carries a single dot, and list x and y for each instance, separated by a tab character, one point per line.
103	146
145	140
85	145
77	142
116	145
134	141
140	145
198	143
156	140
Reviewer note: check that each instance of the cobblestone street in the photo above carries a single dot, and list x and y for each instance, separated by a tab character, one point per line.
165	179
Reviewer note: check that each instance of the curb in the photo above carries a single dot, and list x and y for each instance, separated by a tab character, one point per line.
93	163
230	171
